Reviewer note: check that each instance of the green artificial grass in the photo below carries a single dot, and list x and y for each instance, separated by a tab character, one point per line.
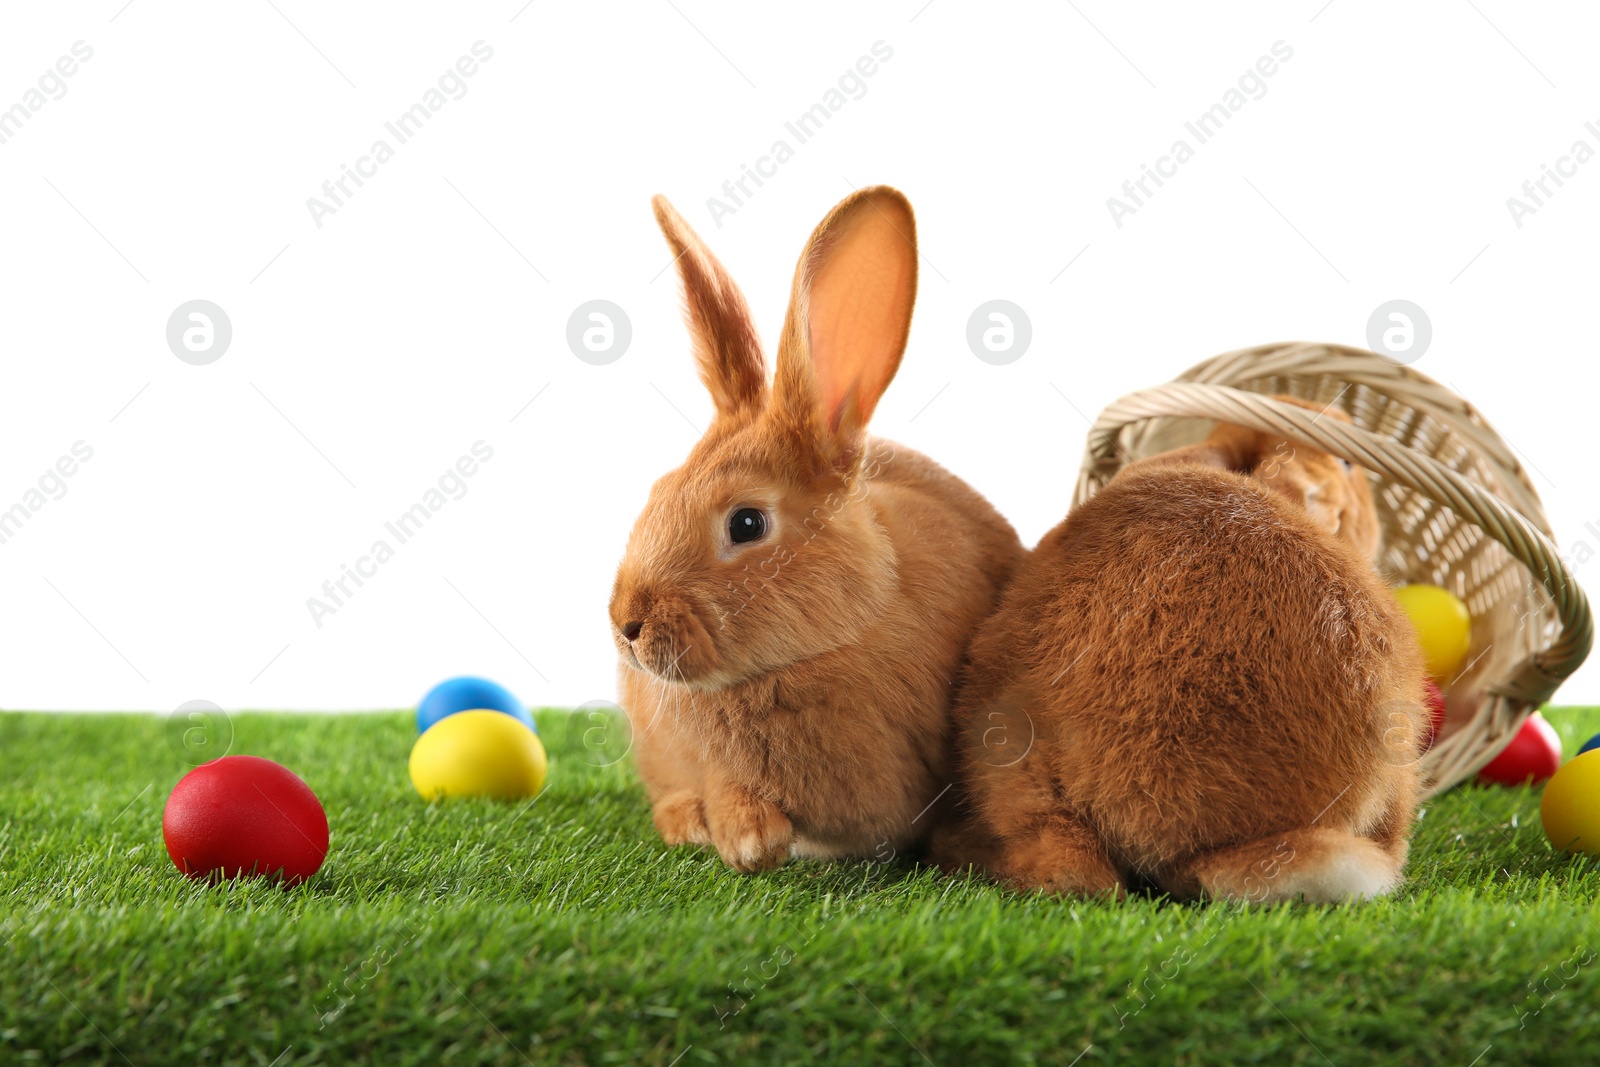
564	932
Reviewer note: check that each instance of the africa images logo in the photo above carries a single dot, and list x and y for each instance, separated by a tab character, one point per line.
403	128
1252	85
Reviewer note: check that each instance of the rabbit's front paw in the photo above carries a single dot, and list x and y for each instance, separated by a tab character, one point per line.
680	819
749	832
1059	856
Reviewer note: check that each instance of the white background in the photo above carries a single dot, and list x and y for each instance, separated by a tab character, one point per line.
426	312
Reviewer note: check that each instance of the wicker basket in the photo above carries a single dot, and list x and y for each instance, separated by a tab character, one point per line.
1456	507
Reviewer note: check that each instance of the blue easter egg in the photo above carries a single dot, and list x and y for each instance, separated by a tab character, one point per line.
469	694
1593	742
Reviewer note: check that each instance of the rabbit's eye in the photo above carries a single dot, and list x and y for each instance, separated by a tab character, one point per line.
1347	464
747	524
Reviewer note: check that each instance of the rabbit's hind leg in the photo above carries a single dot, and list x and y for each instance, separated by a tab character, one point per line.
1319	865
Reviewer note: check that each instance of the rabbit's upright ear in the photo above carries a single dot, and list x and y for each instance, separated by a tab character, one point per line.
849	315
726	346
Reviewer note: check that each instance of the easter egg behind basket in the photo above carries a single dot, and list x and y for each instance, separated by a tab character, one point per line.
1457	510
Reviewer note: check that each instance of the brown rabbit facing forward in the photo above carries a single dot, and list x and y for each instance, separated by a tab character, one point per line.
796	599
1215	691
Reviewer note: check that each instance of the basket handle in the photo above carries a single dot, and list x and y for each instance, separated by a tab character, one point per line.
1544	671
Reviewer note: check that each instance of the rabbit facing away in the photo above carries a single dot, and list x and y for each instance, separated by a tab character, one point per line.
795	601
1215	692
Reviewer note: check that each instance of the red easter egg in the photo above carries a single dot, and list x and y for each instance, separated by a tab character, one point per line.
1435	701
244	815
1533	755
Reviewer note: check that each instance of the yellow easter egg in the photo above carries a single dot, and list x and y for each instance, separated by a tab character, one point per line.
478	754
1444	628
1570	809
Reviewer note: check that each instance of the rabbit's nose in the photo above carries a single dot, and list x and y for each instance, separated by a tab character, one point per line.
631	631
